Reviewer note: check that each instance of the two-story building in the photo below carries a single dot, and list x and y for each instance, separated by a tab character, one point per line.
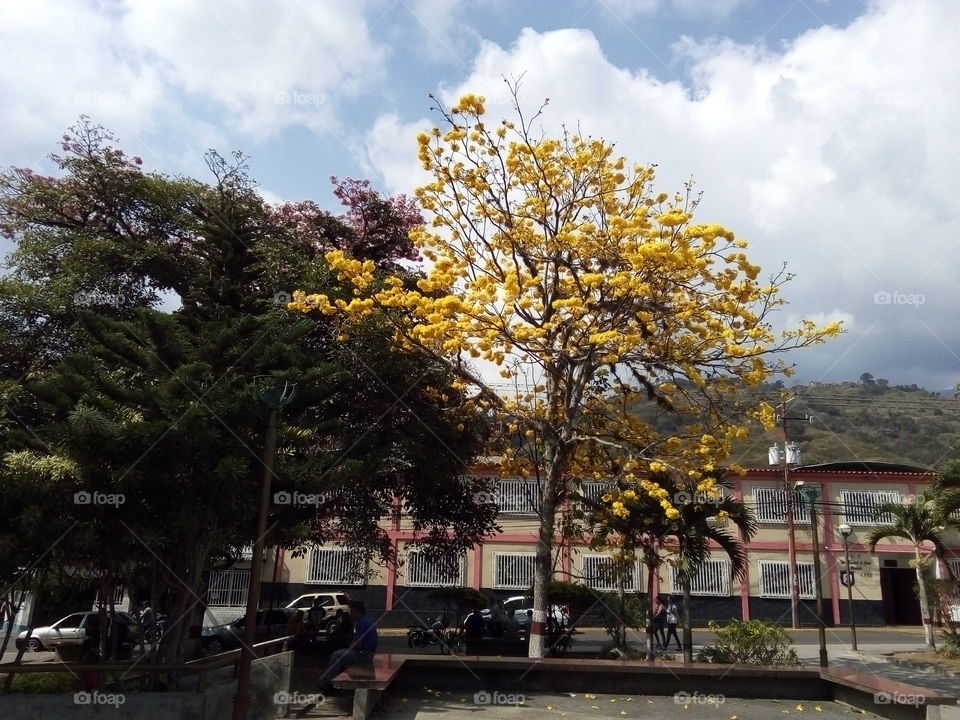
883	590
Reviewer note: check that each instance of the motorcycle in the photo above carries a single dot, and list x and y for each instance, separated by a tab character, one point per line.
436	634
154	628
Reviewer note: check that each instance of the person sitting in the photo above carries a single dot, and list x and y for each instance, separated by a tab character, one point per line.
361	650
341	633
474	626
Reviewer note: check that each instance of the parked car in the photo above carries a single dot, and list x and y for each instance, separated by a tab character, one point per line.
329	601
67	631
519	605
270	624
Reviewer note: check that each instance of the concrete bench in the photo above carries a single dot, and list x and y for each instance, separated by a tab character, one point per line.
368	681
884	696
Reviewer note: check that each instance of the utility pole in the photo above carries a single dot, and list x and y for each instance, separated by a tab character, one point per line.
790	455
811	494
274	398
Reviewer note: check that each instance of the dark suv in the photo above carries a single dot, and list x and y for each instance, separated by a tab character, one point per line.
270	624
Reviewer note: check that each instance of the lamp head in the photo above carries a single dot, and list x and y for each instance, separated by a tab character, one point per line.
845	530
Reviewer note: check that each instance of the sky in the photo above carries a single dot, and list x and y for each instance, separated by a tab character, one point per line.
822	132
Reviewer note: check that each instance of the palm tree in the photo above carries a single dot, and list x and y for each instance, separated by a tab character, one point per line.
644	528
702	521
916	522
946	486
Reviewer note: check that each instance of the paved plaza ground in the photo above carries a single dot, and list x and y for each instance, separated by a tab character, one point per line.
431	705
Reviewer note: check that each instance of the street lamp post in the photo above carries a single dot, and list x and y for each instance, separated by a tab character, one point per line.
845	531
810	494
274	398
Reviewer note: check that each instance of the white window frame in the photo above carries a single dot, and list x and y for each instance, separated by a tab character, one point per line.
768	499
502	583
518	497
422	573
594	489
859	505
228	588
805	580
713	579
598	559
340	572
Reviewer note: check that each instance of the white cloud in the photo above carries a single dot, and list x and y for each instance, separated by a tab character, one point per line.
629	9
836	153
159	72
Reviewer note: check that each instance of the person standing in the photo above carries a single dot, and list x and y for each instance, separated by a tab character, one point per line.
315	616
474	625
659	623
361	650
673	619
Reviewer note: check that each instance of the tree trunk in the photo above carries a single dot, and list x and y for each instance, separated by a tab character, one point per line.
543	564
924	603
622	625
685	619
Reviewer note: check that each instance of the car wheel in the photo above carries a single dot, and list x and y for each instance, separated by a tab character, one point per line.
215	645
34	645
330	627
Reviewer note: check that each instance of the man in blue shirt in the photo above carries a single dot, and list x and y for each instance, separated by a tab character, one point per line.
361	650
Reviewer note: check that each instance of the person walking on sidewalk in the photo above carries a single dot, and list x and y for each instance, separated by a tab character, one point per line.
673	619
659	623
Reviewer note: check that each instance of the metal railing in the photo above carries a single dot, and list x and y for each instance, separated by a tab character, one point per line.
201	667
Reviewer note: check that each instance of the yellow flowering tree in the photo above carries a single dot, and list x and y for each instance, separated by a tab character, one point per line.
556	262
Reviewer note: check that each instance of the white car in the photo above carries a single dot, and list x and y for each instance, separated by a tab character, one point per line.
329	601
69	630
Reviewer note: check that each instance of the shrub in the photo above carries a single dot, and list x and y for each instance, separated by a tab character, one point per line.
749	642
38	683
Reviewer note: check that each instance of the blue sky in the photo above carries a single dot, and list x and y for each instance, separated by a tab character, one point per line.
821	131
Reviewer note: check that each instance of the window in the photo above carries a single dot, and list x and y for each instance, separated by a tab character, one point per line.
513	571
955	566
860	506
518	497
422	572
712	578
770	506
597	573
594	490
775	579
228	588
335	566
72	621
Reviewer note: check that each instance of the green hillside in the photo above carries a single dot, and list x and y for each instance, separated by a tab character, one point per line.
865	420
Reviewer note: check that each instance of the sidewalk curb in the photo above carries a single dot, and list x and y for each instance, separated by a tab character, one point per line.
910	664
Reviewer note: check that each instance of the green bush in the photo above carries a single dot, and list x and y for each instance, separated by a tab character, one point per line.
749	642
39	683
